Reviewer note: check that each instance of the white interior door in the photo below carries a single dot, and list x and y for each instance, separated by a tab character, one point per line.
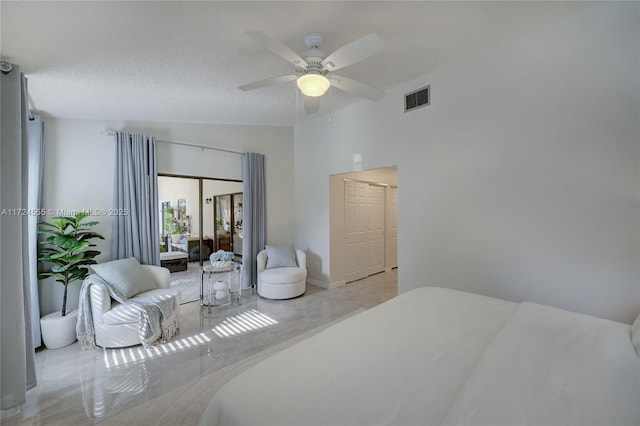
392	227
356	196
375	229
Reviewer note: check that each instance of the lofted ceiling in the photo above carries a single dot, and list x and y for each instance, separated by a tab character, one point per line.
182	61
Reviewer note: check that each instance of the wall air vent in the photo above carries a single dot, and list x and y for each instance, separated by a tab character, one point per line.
417	99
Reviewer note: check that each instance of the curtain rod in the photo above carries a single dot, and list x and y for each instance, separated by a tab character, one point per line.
112	133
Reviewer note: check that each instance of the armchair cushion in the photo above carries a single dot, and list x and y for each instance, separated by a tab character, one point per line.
283	275
126	276
124	314
116	323
280	257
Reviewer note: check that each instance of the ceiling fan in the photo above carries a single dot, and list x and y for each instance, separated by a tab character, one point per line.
314	69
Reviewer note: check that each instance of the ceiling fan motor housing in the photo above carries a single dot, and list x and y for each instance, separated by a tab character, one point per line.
313	56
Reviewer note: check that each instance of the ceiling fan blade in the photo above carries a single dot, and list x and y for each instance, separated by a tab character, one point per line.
311	104
353	52
356	87
278	48
268	82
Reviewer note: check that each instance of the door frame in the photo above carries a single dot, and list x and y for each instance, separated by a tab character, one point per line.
386	176
200	180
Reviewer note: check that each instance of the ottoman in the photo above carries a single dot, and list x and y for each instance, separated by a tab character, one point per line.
174	261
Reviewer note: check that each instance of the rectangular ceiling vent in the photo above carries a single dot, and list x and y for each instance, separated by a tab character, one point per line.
417	99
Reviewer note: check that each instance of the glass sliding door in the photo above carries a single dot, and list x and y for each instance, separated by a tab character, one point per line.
221	215
228	217
199	216
236	238
179	199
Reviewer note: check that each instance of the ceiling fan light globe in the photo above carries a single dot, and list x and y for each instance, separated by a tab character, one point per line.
313	85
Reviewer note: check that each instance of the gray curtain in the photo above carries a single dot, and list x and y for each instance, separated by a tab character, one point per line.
34	203
254	229
136	229
17	361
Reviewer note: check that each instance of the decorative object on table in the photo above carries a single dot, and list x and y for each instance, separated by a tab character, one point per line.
221	289
66	255
221	259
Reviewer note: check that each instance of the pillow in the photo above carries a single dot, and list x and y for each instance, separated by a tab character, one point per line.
126	276
280	256
635	334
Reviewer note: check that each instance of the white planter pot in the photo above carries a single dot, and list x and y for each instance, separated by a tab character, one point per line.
58	331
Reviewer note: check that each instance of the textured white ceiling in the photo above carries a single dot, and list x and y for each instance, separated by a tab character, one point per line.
182	61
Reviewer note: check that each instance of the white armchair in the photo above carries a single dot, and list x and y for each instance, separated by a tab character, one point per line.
116	325
282	282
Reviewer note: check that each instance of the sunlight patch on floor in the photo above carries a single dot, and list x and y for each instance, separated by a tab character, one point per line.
116	357
242	323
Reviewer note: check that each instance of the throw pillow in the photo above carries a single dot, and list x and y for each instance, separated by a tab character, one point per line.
280	257
126	276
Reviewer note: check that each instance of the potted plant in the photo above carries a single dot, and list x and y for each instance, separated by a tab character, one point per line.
66	255
172	226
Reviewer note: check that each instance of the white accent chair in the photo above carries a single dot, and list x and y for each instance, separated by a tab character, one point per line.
117	325
284	282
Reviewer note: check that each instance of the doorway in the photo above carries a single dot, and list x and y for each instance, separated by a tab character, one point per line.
227	213
363	224
187	222
364	220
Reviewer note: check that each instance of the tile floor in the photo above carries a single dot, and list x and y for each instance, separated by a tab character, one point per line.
172	383
188	282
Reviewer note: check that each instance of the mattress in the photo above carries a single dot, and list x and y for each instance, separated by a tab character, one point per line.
552	367
436	356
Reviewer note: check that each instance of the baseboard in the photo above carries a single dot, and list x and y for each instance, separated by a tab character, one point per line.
319	283
325	284
337	284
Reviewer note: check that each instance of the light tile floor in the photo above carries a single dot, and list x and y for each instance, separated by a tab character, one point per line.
112	385
188	282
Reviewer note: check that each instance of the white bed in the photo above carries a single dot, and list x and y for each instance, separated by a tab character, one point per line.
436	356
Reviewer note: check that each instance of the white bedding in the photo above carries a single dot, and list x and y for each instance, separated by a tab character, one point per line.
436	356
552	367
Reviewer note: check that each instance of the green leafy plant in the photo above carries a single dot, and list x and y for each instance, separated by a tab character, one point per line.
65	250
171	224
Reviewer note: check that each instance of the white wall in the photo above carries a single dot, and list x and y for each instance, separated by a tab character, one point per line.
78	172
520	181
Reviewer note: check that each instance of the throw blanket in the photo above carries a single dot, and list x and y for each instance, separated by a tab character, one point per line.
158	318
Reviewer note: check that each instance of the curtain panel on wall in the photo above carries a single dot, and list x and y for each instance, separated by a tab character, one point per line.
253	215
17	361
136	225
35	160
